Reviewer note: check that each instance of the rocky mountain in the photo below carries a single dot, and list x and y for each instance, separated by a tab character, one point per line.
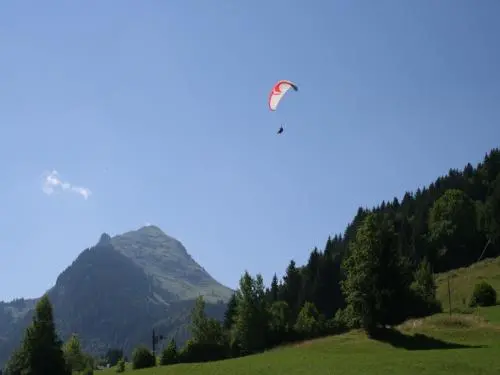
116	292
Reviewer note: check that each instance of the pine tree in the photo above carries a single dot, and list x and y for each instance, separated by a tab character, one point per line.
75	358
230	313
292	290
251	324
170	355
378	279
199	321
41	350
274	289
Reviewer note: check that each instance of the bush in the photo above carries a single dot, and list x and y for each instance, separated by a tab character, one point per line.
113	355
120	366
88	370
142	357
169	355
483	295
309	322
202	352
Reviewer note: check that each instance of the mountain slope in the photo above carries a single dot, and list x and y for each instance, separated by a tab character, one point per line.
114	293
168	263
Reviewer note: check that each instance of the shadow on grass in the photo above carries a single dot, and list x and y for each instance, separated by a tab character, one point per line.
415	342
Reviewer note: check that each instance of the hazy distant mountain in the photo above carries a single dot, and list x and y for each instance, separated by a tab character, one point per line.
115	292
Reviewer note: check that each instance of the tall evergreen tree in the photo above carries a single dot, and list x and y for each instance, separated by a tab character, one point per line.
75	358
41	350
453	229
251	325
378	279
292	290
274	289
230	313
200	322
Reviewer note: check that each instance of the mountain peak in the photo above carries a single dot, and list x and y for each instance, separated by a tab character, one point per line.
166	261
150	228
104	239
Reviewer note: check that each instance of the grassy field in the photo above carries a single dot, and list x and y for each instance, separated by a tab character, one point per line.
463	344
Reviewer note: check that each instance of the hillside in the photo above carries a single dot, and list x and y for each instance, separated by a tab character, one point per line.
465	344
432	347
462	283
169	265
144	273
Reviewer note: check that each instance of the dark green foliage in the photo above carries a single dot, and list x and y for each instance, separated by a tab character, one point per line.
41	349
120	365
292	292
489	218
483	295
75	358
230	313
274	291
251	324
205	329
377	277
202	352
113	355
142	357
209	340
279	318
453	229
169	356
309	322
423	291
88	370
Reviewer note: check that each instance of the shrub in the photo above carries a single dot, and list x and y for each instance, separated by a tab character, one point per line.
169	355
483	295
202	352
88	370
309	321
120	366
142	357
113	355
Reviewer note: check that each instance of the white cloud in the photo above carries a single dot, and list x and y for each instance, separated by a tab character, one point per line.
52	182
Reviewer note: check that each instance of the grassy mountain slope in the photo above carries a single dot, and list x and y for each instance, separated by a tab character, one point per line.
169	265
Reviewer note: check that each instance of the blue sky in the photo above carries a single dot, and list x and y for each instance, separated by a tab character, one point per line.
159	108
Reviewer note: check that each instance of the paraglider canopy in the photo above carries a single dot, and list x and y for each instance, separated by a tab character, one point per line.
278	92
